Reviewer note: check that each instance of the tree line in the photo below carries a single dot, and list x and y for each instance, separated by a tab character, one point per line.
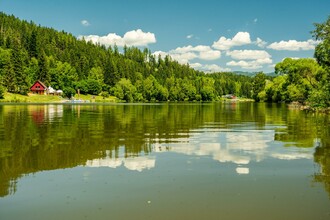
29	52
304	80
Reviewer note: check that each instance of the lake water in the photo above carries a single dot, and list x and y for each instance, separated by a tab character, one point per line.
163	161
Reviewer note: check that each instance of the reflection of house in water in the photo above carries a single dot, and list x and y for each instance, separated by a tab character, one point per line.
40	113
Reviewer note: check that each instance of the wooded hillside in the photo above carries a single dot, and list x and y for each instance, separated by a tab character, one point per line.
29	52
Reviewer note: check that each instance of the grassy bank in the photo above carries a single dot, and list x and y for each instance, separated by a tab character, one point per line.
34	98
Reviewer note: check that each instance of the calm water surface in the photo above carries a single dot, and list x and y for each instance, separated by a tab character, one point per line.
163	161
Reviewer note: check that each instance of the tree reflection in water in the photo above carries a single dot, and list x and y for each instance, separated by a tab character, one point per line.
34	138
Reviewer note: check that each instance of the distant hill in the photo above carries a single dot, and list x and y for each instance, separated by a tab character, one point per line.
251	74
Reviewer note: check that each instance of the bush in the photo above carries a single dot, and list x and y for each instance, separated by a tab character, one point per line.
69	92
2	92
104	94
82	86
94	86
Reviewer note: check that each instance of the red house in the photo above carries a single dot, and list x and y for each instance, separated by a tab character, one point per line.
38	88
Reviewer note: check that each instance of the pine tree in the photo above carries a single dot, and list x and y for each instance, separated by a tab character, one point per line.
33	44
44	75
17	60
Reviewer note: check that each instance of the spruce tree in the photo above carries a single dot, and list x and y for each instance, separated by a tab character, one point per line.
44	75
20	76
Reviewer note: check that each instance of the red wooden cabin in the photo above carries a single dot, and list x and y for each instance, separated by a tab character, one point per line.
38	88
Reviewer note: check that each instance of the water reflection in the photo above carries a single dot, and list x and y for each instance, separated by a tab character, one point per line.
240	147
132	163
47	137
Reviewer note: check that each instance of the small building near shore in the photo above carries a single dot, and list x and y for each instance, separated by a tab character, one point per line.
51	91
38	88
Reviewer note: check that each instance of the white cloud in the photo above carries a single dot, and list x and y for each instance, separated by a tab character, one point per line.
241	38
85	23
183	58
139	38
255	20
196	65
209	68
249	59
130	38
215	68
249	65
248	54
260	43
293	45
189	48
161	53
190	36
185	54
210	55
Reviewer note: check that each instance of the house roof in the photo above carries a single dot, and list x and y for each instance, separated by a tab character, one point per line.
39	82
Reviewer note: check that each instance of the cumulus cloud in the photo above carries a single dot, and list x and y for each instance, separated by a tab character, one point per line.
241	38
249	65
190	36
183	58
260	43
293	45
85	23
249	59
185	54
130	38
209	68
248	54
196	65
212	68
210	55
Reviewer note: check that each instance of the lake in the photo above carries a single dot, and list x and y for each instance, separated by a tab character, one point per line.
163	161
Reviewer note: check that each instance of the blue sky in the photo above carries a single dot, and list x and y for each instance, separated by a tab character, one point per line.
211	35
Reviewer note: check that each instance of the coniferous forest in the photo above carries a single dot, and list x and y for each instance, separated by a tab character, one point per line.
29	52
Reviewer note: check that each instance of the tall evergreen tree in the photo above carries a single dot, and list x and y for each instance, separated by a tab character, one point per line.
20	76
43	75
33	44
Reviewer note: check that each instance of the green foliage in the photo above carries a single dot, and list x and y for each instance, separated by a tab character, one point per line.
94	87
322	55
69	92
302	80
29	52
322	50
43	74
259	82
2	91
124	90
104	94
82	86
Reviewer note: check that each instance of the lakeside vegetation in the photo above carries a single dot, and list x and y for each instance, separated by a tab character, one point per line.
29	52
35	98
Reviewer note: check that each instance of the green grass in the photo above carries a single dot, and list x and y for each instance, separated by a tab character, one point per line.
34	98
96	98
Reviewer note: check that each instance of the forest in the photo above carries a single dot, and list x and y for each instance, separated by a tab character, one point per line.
29	52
